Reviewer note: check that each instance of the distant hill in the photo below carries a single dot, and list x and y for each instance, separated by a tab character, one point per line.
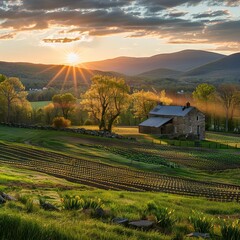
160	73
179	61
223	70
41	75
219	68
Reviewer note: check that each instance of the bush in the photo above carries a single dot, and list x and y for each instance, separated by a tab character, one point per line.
164	218
230	231
72	203
76	203
201	223
61	122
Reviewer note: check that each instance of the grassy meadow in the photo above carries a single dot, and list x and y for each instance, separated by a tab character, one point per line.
125	175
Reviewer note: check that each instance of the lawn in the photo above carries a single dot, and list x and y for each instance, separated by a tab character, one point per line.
81	224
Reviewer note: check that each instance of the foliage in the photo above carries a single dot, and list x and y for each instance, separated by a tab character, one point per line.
165	218
230	231
143	102
106	99
76	203
72	203
204	93
229	96
66	102
14	105
61	122
201	223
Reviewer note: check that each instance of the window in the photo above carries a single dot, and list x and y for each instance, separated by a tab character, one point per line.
197	118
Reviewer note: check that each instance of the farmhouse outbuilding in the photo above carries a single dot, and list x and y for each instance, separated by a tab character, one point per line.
175	121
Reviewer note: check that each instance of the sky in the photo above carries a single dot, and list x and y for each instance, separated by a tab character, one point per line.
43	31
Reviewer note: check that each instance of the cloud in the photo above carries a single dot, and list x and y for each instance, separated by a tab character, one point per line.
7	36
60	40
135	18
212	14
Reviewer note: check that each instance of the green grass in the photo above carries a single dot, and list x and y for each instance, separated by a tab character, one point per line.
17	223
39	104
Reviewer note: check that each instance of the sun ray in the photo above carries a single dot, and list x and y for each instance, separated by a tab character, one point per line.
74	79
82	75
56	76
66	77
47	69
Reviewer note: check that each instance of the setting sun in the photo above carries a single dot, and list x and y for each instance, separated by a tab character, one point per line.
73	58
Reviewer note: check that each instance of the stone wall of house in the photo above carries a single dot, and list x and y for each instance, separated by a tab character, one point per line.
192	124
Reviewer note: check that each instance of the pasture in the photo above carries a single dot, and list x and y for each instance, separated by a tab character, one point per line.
53	164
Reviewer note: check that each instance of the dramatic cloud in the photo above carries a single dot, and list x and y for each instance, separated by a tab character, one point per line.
135	18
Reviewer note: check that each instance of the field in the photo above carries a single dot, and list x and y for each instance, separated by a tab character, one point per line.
39	104
55	163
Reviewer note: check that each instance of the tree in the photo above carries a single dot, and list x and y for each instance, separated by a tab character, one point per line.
203	95
2	78
11	92
106	99
228	95
66	102
143	102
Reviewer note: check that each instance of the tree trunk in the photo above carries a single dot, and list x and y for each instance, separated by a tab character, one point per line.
226	123
111	121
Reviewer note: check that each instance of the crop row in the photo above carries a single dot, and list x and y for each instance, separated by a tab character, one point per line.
110	177
204	159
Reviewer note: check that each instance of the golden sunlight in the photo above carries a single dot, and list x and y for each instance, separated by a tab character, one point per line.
73	58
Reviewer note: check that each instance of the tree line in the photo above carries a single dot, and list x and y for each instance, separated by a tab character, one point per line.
107	102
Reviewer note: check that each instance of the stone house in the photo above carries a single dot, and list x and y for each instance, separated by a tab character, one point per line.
175	121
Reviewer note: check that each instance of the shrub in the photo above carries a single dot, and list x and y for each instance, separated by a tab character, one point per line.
164	218
92	203
72	203
61	122
201	223
230	231
76	203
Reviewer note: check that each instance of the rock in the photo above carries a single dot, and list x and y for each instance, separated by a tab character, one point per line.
199	235
49	207
2	200
141	224
121	221
99	213
7	197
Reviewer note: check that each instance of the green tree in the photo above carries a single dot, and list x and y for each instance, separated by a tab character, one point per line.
2	78
228	95
143	102
204	95
106	99
12	93
66	102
